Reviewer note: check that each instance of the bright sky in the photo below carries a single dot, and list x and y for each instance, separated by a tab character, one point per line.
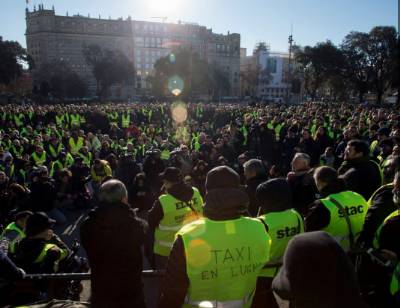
256	20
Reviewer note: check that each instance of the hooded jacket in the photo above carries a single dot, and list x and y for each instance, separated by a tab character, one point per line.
317	273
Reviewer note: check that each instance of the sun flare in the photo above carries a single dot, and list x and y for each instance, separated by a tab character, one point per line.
164	6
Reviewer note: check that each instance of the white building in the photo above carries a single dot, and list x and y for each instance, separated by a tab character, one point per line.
273	68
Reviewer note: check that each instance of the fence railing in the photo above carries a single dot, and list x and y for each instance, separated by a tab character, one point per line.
84	276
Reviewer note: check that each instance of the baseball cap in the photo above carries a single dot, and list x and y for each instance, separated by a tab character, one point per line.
171	174
38	222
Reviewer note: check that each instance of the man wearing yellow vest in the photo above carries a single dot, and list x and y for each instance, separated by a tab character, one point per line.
215	261
381	204
282	223
125	119
54	148
14	232
39	156
386	242
339	212
180	205
75	143
41	251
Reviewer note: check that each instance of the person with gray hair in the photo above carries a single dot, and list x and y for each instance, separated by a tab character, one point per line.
112	236
302	183
301	162
113	191
255	174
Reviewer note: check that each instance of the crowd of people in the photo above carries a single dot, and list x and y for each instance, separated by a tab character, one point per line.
242	206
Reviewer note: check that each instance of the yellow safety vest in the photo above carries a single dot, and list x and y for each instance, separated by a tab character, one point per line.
223	261
341	205
176	214
39	160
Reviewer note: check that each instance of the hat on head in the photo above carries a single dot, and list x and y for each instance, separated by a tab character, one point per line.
37	223
172	174
222	177
384	131
23	214
274	195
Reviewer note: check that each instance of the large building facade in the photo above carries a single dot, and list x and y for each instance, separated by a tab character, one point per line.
51	37
272	69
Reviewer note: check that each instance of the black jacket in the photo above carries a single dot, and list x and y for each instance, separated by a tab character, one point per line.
317	273
361	175
381	207
43	195
303	190
29	249
251	186
318	216
112	236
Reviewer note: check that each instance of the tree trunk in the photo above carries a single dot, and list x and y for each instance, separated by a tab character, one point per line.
360	96
379	97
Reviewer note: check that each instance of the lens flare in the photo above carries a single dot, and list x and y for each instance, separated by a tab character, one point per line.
179	112
175	85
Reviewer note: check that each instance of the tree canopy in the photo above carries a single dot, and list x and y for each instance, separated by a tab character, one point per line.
109	67
191	74
12	60
364	62
59	80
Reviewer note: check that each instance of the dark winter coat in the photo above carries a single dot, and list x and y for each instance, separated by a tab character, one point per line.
361	175
251	186
112	236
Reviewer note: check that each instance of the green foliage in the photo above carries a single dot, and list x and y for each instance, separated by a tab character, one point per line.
108	67
198	76
363	62
12	59
57	79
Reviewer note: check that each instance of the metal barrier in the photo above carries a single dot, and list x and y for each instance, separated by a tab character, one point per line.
84	276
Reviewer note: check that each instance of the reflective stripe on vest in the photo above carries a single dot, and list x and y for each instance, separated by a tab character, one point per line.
39	160
372	147
75	119
390	186
380	171
395	283
282	227
165	154
219	253
126	120
11	170
356	208
376	242
21	234
75	147
55	152
87	159
43	253
176	214
19	119
113	117
59	120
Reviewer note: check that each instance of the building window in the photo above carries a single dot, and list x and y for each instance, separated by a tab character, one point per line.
271	66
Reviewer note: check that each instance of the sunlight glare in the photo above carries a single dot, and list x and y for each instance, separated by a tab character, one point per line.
164	6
